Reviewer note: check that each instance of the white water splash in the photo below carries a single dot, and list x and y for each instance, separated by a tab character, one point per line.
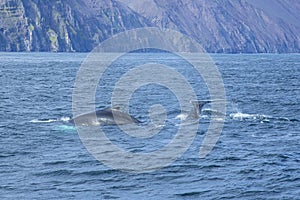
65	119
62	119
43	120
251	117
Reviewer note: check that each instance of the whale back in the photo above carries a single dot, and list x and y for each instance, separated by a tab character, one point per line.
108	116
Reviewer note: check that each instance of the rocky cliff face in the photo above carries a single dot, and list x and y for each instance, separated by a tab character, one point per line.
219	25
62	25
229	26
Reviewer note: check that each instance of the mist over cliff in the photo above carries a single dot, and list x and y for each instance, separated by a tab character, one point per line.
218	25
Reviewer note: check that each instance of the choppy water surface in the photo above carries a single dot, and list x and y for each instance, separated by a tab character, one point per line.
256	157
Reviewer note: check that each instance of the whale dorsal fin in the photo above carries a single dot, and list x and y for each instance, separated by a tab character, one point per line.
197	107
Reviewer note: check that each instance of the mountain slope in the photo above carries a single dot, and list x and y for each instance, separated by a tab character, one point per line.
66	25
229	26
218	25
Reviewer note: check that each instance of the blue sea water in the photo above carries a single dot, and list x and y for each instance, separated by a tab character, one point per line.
256	157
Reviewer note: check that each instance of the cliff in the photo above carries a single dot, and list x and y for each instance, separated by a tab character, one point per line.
229	26
62	25
219	25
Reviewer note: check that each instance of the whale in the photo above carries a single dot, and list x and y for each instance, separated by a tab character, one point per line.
197	106
114	116
108	116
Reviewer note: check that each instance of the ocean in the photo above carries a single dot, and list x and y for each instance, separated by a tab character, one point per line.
257	155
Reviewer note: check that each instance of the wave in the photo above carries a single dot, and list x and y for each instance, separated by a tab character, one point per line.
62	119
65	119
206	114
43	120
65	128
258	117
245	116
